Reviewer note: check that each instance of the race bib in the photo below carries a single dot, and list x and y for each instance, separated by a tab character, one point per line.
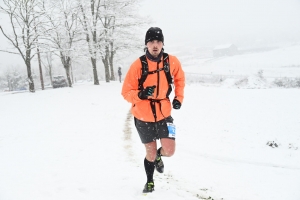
171	129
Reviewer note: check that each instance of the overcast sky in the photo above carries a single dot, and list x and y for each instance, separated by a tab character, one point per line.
215	22
219	21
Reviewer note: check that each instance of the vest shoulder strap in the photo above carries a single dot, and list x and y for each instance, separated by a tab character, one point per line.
167	68
145	70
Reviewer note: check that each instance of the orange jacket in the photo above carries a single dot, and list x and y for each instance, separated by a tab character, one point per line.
141	109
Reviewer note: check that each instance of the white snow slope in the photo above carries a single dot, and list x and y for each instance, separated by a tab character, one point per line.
80	143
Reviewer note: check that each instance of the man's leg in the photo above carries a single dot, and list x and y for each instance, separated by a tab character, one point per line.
151	148
149	165
168	147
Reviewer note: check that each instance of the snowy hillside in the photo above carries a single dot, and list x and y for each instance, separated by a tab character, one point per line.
80	143
276	68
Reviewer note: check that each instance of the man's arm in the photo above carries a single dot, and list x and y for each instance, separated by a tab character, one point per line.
130	85
179	80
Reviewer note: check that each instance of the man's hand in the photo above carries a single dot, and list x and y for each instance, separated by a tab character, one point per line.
176	104
145	93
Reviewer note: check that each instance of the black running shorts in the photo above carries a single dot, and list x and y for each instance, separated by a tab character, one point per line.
151	131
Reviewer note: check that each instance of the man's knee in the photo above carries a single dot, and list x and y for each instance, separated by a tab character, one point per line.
151	151
168	151
168	147
151	156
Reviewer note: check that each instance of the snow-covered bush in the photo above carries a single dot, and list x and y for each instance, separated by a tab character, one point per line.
241	82
260	74
287	82
207	79
13	80
272	144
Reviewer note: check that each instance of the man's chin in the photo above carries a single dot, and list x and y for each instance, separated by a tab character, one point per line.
155	53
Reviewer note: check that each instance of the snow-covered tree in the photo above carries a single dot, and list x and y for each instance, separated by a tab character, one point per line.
90	22
22	14
64	31
110	26
122	24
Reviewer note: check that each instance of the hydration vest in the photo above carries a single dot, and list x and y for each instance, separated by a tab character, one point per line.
145	72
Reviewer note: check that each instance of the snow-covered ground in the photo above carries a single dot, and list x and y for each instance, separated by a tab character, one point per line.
80	143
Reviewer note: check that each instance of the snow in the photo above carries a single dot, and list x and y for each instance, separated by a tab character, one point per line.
279	62
80	143
224	46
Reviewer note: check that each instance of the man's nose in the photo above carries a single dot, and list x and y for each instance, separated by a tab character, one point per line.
155	44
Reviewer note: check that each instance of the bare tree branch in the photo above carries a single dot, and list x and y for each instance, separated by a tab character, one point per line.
9	52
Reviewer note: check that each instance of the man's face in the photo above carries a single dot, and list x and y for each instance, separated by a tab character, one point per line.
154	47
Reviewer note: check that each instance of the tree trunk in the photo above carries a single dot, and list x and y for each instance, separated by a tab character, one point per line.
111	63
72	75
9	84
39	58
94	65
66	60
40	68
106	64
67	68
106	68
92	50
50	74
94	60
29	74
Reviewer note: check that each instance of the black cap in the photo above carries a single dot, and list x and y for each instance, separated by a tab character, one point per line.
154	33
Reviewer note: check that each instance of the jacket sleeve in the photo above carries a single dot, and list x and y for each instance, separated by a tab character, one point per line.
130	84
179	80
